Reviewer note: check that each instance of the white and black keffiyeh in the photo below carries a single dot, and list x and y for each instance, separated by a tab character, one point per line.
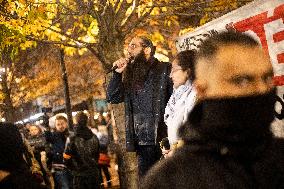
179	105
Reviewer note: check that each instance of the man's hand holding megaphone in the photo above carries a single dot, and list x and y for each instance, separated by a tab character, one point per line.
121	63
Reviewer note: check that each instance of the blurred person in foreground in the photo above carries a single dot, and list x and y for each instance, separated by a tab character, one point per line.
14	170
81	155
143	84
227	139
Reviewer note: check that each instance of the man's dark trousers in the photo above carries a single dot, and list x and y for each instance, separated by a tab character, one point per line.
148	155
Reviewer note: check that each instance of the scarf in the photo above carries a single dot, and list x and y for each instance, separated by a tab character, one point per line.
177	94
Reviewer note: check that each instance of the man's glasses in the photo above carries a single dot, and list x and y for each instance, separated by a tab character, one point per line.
175	70
134	46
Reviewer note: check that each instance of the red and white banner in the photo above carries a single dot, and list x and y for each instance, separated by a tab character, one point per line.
264	20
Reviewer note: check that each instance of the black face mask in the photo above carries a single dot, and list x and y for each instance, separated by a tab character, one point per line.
241	124
235	119
246	111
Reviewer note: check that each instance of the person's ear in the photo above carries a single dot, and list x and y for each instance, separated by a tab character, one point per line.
202	73
201	88
188	73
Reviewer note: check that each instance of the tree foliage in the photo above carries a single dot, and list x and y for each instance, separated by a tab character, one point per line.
15	64
31	72
84	73
102	26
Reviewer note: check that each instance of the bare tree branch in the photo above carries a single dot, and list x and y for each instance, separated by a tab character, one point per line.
121	12
135	5
69	11
95	15
81	5
104	17
116	5
104	4
134	25
69	36
54	42
97	54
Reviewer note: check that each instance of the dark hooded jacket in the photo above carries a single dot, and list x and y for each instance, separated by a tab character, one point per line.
82	152
222	151
144	109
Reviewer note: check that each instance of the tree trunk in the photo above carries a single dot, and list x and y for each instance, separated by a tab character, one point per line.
9	110
112	50
91	110
127	161
66	90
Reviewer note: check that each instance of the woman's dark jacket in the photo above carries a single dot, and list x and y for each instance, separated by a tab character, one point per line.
144	109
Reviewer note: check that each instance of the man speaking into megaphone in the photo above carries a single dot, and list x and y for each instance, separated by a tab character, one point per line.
143	84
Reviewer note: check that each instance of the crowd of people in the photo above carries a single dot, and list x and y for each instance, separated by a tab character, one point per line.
34	156
201	122
214	106
227	139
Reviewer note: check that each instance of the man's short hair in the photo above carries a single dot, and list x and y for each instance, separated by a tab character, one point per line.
211	45
82	119
61	117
